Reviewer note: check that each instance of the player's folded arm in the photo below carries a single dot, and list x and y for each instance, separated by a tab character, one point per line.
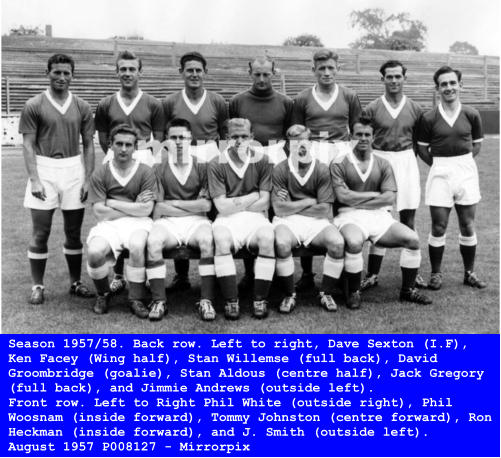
230	205
290	207
104	213
138	209
319	210
262	204
384	199
351	198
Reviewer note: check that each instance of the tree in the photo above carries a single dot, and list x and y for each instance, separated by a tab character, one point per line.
306	39
387	31
26	30
463	47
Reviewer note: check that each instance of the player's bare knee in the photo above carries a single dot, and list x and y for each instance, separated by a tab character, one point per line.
266	239
438	228
154	247
206	244
335	245
412	242
283	248
467	228
222	243
96	254
353	246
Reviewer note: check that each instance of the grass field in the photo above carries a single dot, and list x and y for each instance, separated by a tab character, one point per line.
456	309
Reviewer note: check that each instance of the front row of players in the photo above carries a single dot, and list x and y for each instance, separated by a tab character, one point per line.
241	181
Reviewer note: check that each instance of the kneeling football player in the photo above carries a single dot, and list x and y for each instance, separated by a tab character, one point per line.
122	192
181	219
365	187
302	198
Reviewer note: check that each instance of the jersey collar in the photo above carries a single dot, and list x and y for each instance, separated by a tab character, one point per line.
449	119
194	107
130	108
394	112
355	162
240	172
302	180
123	181
181	175
61	108
325	105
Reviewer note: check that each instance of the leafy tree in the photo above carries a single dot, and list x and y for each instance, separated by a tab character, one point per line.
387	31
305	39
463	47
26	30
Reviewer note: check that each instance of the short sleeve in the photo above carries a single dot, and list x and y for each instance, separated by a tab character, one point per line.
266	169
279	178
387	178
337	174
101	118
424	131
157	116
325	191
477	133
87	124
217	187
28	123
298	116
97	187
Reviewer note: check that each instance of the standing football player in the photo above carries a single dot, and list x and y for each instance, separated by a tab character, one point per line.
302	197
52	124
395	118
449	138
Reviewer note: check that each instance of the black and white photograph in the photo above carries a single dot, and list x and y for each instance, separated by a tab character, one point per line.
173	167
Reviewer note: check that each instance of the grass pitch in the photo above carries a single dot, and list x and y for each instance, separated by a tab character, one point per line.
455	308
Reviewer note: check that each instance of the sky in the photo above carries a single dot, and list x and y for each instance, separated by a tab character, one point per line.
267	22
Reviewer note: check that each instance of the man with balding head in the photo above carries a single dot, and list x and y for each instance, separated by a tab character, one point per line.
269	111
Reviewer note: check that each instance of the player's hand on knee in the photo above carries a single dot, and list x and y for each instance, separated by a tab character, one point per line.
37	190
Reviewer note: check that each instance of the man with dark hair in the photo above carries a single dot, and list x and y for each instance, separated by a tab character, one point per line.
269	112
365	186
206	112
130	105
181	219
395	118
302	197
122	193
449	139
52	124
329	111
240	185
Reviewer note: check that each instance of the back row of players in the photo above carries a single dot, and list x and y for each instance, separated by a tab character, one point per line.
448	138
